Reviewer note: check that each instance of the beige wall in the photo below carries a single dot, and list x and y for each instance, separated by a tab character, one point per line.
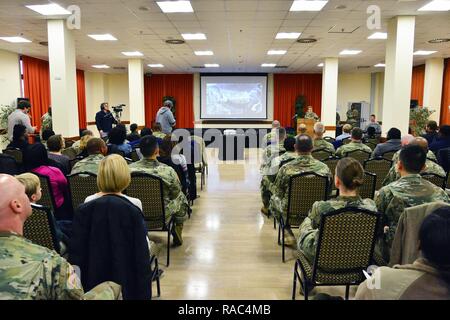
378	94
9	77
352	87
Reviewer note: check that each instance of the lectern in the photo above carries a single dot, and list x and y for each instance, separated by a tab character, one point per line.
309	126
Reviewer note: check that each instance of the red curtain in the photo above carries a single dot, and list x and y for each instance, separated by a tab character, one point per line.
36	77
445	112
417	84
287	87
179	86
81	93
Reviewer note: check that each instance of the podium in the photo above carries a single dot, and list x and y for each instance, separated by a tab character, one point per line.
309	126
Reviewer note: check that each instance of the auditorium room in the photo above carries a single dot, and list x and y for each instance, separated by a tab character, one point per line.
224	150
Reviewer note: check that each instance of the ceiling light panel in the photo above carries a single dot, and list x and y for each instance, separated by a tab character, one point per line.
175	6
308	5
51	9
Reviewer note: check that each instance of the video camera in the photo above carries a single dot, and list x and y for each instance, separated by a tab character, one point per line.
118	111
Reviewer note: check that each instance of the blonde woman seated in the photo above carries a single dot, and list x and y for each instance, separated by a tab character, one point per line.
348	178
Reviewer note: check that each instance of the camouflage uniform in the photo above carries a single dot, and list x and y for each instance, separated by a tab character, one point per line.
409	191
32	272
280	189
352	146
396	156
46	122
309	229
270	175
159	134
323	144
431	167
311	115
175	201
88	164
271	152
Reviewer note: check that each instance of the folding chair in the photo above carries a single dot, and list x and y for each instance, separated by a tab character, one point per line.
321	154
435	179
70	152
81	186
367	190
39	229
47	199
149	189
388	155
379	166
345	248
15	153
359	155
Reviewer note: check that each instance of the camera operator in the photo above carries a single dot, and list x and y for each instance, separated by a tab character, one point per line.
104	120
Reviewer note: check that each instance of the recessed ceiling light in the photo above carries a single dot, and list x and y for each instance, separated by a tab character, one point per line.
204	53
132	54
307	40
175	41
378	36
306	5
269	65
156	65
100	66
288	35
211	65
193	36
320	65
15	39
436	5
380	65
175	6
51	9
423	52
276	52
350	52
102	37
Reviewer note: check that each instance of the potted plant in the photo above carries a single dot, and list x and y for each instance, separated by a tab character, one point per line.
419	118
5	111
300	103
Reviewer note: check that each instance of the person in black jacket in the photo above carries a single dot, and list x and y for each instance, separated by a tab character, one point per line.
20	138
104	120
109	243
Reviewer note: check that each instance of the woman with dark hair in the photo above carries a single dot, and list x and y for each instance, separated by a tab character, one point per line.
428	278
349	176
117	141
35	159
20	138
166	157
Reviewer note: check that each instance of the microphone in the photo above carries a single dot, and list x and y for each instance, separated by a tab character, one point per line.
294	117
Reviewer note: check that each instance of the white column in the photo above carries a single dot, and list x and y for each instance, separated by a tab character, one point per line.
432	91
63	78
398	73
136	91
329	93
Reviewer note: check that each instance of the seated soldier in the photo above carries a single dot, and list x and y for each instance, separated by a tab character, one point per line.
410	190
348	178
175	201
319	142
430	166
29	271
407	139
269	178
157	131
393	143
428	278
355	144
280	191
97	150
76	145
275	149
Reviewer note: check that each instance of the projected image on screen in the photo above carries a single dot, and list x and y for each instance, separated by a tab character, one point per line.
233	98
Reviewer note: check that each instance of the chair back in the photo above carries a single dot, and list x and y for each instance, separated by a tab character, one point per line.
447	180
39	229
47	199
346	244
346	141
321	154
388	155
81	185
8	165
15	153
379	166
70	152
134	156
149	189
304	189
443	157
359	155
435	179
367	190
73	162
282	163
371	145
331	162
329	139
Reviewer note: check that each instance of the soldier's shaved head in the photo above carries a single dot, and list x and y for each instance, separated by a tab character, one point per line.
407	139
304	144
15	206
421	142
96	146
